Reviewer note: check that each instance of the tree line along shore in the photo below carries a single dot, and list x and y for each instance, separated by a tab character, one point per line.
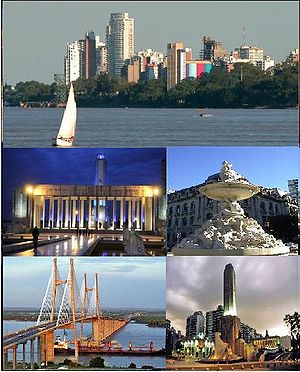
244	87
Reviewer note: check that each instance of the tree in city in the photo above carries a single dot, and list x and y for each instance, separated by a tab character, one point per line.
97	363
293	322
132	366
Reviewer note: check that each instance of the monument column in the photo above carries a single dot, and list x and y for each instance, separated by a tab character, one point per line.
51	212
89	200
143	214
138	214
114	213
66	213
133	213
121	212
148	217
129	214
43	213
81	203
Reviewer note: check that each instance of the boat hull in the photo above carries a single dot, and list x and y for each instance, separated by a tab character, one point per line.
60	142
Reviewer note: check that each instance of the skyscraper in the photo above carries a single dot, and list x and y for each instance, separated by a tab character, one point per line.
90	55
229	291
176	59
101	170
73	61
119	41
213	322
194	324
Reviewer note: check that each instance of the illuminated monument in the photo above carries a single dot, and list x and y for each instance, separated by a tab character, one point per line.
229	345
94	207
101	170
229	291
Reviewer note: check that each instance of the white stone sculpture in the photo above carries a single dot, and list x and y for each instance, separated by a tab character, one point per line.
133	243
230	229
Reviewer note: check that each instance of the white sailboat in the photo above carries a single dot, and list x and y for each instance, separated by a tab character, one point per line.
66	134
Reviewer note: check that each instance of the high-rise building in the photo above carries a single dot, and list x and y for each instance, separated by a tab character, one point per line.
194	325
229	291
101	170
90	55
213	322
175	60
101	56
252	53
212	50
119	41
73	61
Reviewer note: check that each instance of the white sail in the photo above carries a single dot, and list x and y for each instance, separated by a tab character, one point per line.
68	124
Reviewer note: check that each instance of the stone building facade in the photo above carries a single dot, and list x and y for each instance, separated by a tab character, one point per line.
188	209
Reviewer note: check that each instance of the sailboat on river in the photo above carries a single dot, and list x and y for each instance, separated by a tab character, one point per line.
66	133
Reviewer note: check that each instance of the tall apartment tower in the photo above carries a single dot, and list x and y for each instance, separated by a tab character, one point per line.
119	42
90	55
212	50
229	291
194	324
73	61
213	322
101	170
174	60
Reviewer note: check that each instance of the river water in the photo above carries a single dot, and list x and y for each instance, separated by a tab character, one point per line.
121	127
137	334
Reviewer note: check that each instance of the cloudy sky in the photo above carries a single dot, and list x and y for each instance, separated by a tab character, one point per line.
35	33
267	289
124	282
264	166
77	166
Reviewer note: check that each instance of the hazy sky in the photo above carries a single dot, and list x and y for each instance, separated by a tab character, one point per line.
124	282
267	289
35	33
77	166
264	166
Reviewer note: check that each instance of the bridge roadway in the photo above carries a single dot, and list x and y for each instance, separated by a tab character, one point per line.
103	327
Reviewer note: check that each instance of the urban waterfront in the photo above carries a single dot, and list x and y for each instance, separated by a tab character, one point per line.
137	334
131	127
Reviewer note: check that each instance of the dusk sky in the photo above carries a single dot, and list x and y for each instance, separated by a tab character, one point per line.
264	166
267	289
77	166
36	33
124	282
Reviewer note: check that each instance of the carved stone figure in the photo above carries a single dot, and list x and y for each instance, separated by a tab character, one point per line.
133	243
230	228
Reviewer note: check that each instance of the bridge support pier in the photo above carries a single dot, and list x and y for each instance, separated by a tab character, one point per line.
5	359
14	357
31	353
46	347
39	351
24	361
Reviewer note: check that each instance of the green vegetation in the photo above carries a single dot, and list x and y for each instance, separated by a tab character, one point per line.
275	88
97	362
152	320
293	322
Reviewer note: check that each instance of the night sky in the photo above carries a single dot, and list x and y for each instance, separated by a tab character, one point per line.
267	288
77	166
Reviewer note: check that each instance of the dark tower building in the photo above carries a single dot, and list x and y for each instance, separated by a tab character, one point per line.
229	291
90	55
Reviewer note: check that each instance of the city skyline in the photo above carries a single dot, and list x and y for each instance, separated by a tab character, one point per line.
196	284
124	283
40	63
77	166
263	166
